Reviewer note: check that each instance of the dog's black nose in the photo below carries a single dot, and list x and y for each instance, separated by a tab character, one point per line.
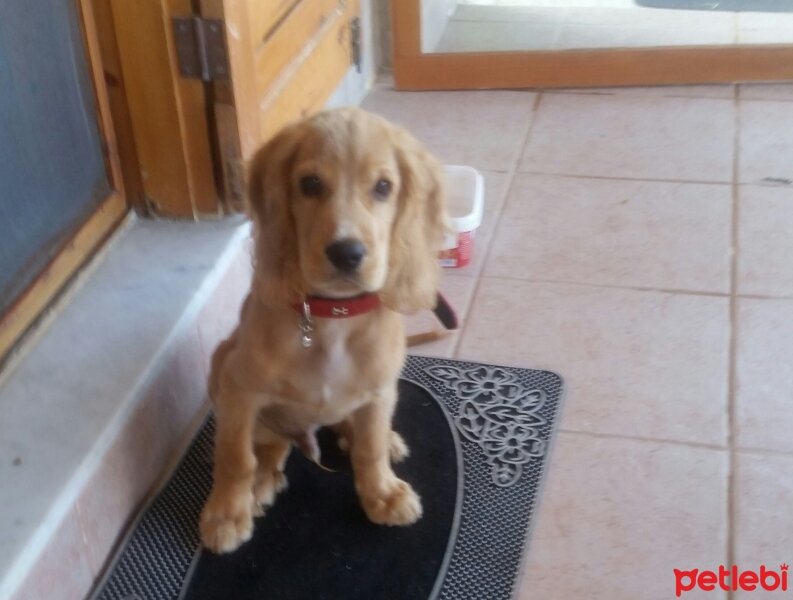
346	255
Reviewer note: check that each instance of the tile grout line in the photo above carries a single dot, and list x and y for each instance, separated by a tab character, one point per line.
624	178
733	343
786	298
617	91
511	176
780	100
628	179
628	287
764	451
639	438
610	286
680	96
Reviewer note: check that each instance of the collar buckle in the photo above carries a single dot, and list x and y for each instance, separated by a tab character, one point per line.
306	326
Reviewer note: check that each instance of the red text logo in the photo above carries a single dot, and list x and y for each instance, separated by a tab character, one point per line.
731	579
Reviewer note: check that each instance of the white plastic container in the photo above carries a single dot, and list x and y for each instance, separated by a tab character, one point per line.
465	199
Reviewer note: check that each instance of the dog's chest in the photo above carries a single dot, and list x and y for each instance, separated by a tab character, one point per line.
333	371
327	378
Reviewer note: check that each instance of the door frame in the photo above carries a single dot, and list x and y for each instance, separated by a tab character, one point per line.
250	107
95	230
167	112
415	70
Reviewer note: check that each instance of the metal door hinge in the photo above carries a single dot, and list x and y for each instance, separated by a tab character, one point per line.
355	41
201	48
235	185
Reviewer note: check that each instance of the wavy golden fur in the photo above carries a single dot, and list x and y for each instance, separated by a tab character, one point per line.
340	175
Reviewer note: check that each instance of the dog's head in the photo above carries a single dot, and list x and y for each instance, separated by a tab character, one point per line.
345	203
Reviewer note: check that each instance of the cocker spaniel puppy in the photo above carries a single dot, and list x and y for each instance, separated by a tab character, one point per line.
349	217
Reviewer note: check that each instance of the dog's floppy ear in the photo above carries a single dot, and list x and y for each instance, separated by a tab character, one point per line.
269	190
418	230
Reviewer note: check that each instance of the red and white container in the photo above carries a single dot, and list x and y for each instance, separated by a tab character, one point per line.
465	198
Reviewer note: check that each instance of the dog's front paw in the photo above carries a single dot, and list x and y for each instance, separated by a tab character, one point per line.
267	487
397	505
226	521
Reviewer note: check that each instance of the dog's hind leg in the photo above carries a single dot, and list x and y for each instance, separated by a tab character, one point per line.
397	448
271	452
343	432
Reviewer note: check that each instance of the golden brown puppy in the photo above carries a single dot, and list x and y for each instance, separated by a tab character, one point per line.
349	218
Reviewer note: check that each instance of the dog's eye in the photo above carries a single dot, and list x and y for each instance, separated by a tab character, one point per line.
311	186
382	188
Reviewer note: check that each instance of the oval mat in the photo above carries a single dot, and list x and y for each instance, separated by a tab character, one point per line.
316	542
484	429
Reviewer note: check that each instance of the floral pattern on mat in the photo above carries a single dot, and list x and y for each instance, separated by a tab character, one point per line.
498	414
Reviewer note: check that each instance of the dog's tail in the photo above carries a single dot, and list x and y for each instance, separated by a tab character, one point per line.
448	318
426	337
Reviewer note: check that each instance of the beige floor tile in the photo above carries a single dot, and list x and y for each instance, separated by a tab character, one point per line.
643	364
62	570
765	258
766	142
764	370
483	129
763	527
221	313
458	291
638	137
724	92
155	432
617	516
495	191
616	232
766	91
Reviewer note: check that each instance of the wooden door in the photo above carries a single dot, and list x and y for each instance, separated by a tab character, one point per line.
415	69
62	190
286	57
193	131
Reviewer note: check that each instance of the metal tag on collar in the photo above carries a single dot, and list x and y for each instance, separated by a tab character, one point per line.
306	326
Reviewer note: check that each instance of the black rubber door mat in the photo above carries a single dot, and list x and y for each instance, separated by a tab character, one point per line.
315	541
479	438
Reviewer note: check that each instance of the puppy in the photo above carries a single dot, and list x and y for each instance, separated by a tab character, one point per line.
349	217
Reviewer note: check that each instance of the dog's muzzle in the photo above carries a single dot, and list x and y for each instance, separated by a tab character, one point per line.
346	255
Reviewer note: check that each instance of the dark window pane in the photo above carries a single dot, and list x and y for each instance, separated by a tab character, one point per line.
52	171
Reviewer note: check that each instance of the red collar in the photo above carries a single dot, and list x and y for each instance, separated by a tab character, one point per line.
340	308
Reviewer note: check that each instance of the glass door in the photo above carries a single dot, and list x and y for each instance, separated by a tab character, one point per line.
447	44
